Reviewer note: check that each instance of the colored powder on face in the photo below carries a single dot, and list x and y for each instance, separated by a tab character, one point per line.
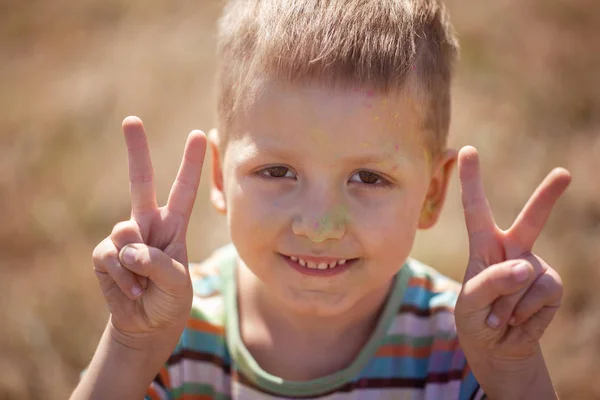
318	136
338	216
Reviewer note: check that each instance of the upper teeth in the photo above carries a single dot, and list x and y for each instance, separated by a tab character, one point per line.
314	265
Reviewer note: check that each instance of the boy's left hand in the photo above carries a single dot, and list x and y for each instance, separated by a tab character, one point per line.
504	307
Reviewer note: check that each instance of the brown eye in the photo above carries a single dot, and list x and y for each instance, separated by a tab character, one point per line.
277	171
368	177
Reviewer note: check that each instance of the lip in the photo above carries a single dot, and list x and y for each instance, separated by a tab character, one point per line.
319	272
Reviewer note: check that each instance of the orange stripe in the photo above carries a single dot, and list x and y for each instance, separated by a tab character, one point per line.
152	394
423	282
203	326
196	397
164	375
419	352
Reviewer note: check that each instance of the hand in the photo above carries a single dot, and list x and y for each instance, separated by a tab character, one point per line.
142	265
509	295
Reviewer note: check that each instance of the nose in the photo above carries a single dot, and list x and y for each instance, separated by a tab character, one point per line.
319	226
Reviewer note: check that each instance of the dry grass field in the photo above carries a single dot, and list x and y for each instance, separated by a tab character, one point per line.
527	95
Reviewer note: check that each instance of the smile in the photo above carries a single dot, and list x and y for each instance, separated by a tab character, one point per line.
319	266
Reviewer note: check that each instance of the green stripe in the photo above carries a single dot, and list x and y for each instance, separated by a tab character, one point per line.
197	389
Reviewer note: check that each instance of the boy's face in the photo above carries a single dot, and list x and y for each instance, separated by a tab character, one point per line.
339	174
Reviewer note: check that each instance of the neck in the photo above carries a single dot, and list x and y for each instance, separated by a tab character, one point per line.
302	346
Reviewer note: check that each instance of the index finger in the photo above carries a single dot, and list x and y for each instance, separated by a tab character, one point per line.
141	174
478	215
531	220
184	190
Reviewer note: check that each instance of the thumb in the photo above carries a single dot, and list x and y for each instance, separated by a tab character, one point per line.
495	281
166	273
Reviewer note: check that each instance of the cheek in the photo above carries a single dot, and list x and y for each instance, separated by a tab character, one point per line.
252	213
389	231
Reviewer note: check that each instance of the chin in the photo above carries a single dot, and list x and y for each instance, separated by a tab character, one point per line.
319	304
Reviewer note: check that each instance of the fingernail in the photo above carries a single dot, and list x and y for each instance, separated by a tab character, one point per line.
136	290
493	321
129	255
521	272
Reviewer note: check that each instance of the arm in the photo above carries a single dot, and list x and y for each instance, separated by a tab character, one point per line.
531	382
119	371
142	270
509	295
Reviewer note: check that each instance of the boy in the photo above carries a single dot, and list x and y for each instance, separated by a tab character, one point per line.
330	154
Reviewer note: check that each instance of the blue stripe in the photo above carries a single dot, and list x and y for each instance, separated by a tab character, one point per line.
396	367
424	299
468	387
204	342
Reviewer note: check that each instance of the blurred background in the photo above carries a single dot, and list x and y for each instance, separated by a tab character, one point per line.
527	95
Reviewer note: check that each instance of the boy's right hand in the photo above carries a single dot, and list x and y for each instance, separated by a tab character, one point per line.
142	265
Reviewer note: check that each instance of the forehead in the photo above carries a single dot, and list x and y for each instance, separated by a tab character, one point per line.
331	117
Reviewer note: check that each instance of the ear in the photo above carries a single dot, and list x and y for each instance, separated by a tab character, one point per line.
438	188
217	192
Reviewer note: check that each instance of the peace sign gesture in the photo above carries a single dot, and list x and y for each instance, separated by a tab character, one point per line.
509	294
142	265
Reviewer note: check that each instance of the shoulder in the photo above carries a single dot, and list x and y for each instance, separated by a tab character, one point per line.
429	290
202	343
425	323
423	338
427	309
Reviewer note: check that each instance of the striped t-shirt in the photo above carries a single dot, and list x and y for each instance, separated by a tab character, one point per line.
413	353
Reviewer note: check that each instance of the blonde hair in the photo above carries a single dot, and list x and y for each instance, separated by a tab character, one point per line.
386	45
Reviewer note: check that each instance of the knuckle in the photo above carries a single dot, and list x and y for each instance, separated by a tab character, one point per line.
144	206
120	227
187	185
125	231
549	286
142	178
102	252
97	253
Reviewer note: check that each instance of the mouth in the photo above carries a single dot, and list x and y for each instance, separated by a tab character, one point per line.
319	266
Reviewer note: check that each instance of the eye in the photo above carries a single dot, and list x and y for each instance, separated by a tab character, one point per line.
277	171
371	179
